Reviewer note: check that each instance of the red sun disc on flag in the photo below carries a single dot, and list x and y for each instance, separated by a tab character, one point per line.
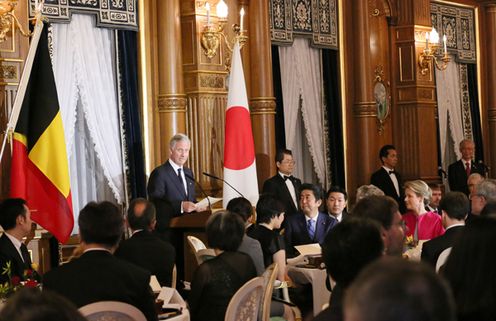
239	150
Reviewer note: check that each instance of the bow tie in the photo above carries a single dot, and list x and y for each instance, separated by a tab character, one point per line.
287	177
392	172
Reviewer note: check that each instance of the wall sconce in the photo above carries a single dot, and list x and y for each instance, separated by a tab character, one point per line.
433	53
212	33
8	19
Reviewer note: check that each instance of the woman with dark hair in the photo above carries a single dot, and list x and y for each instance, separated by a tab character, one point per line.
218	279
471	273
270	215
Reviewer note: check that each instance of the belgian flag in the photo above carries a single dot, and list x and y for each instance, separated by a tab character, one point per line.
40	171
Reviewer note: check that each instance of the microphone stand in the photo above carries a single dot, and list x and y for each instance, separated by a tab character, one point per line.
201	189
223	180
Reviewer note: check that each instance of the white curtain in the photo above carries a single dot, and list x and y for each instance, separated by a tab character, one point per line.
84	68
450	112
302	79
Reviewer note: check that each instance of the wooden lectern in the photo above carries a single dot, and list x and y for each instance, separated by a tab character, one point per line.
182	226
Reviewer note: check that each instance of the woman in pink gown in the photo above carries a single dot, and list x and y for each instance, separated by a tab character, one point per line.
421	225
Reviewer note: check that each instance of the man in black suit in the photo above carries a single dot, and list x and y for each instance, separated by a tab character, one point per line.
309	226
98	275
284	186
387	178
15	219
459	171
454	208
336	201
144	248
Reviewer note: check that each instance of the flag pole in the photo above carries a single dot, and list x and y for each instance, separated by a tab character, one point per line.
21	89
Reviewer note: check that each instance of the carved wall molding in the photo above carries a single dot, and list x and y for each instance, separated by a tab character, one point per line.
491	113
365	110
171	103
212	81
263	106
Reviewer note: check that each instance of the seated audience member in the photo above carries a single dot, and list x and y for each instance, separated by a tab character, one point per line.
15	219
384	210
459	171
472	181
483	193
489	209
242	207
454	208
393	289
436	196
217	280
336	201
311	225
30	304
470	271
347	249
144	248
270	215
422	225
366	191
97	275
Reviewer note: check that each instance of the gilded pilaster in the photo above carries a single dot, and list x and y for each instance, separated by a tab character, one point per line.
171	108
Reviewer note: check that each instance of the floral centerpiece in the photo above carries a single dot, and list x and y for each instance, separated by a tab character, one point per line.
29	279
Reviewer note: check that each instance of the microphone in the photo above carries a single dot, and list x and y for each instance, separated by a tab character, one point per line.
441	172
201	189
223	180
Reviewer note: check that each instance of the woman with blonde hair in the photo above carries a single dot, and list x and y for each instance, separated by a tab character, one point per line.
422	225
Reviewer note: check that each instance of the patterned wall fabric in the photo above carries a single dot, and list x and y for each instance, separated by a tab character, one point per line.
316	19
458	24
119	14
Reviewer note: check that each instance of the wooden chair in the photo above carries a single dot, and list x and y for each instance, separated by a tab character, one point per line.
200	250
269	276
111	310
245	303
442	258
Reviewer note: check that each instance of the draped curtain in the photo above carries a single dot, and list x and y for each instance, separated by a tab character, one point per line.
301	79
450	113
84	68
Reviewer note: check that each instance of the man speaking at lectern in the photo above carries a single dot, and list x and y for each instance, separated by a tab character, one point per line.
172	183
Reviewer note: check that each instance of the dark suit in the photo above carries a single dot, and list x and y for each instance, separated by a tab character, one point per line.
296	232
433	248
276	185
8	252
457	175
99	276
146	250
382	179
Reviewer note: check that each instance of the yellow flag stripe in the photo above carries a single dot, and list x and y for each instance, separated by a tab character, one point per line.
21	138
50	156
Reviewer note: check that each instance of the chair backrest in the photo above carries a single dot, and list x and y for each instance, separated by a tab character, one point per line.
442	258
111	310
199	249
269	277
245	303
174	277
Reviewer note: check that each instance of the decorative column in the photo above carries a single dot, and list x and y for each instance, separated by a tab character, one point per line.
171	101
364	107
262	100
415	123
490	32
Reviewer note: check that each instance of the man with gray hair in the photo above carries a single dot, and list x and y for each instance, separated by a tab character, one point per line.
173	183
459	171
484	192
